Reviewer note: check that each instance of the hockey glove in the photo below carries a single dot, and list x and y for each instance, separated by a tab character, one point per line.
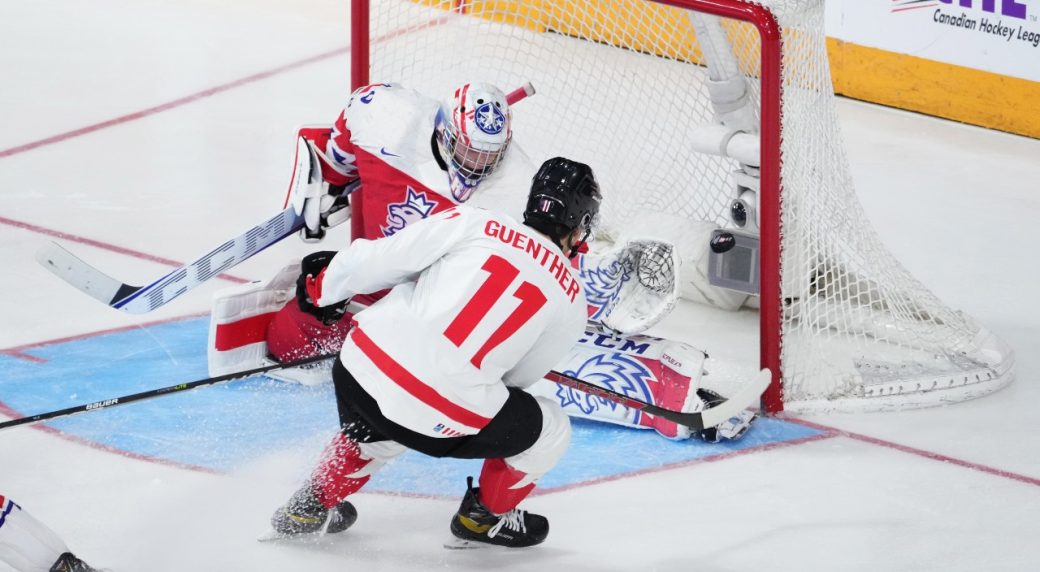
311	268
329	210
321	204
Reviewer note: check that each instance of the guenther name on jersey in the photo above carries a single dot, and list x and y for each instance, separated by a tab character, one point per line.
554	263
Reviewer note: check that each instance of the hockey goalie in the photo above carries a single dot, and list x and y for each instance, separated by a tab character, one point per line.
408	156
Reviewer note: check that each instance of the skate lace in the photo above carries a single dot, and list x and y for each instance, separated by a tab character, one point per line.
512	520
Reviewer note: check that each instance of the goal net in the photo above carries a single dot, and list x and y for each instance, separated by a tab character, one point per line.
684	109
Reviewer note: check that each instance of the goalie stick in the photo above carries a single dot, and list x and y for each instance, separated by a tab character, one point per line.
744	398
142	299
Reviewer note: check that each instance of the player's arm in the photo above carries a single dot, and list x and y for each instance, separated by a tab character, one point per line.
372	265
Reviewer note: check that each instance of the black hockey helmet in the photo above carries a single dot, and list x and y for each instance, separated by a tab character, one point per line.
564	196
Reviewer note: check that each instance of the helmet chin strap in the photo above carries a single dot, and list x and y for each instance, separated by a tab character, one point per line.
580	246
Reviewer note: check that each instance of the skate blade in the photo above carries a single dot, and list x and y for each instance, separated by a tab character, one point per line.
304	538
460	544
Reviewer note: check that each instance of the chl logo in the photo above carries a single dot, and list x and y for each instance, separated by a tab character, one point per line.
1009	8
416	206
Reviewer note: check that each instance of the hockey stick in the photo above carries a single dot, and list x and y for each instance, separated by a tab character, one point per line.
746	396
143	299
519	93
106	403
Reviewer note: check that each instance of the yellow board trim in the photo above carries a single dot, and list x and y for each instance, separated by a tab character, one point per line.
888	78
953	92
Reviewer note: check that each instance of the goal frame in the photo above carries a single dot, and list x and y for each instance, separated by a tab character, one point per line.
770	225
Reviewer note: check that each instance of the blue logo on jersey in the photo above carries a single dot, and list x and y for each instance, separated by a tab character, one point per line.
383	151
489	119
367	98
416	206
616	372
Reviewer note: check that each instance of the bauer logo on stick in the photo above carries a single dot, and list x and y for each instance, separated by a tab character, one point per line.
100	404
489	119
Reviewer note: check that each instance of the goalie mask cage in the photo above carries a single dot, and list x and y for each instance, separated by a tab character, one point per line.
631	87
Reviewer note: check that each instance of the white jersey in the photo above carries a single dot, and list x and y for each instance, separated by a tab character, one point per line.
384	137
479	302
26	543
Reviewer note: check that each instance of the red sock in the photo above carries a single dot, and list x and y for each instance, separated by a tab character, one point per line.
331	478
496	480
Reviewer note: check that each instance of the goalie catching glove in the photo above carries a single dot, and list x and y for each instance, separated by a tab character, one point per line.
308	287
322	205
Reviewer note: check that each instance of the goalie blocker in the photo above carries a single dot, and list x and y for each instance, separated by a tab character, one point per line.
661	372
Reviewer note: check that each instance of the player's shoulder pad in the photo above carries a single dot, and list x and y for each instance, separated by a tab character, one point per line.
372	88
460	212
386	109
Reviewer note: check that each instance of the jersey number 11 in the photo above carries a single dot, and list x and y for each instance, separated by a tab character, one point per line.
501	275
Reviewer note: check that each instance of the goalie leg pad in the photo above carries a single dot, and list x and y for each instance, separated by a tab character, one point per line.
654	370
240	318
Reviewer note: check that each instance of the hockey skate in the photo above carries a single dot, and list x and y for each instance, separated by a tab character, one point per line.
303	516
474	526
730	429
68	562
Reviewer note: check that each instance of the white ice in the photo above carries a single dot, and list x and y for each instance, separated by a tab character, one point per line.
958	205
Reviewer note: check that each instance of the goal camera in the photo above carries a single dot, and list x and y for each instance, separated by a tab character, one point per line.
733	260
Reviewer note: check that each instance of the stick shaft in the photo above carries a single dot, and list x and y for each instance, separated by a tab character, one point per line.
113	402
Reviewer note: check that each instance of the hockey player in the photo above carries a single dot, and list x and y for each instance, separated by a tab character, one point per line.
27	545
414	158
481	306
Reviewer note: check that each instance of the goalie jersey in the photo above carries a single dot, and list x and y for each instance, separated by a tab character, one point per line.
384	136
478	299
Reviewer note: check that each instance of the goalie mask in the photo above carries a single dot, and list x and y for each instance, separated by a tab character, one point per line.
564	196
473	136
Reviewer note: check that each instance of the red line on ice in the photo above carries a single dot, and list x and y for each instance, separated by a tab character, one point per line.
209	92
17	351
107	246
170	104
826	434
922	453
5	410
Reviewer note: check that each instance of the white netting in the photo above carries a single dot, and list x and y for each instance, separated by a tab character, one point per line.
623	85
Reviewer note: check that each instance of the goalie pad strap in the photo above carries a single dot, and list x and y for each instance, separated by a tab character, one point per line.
247	331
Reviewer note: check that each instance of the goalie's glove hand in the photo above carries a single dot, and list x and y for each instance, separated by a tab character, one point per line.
329	209
308	288
730	429
321	205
